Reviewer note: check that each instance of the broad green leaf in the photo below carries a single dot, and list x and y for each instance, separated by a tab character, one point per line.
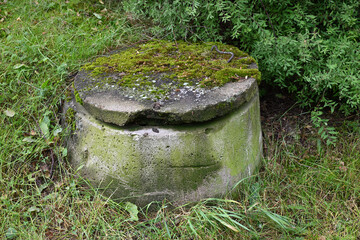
133	210
64	152
44	126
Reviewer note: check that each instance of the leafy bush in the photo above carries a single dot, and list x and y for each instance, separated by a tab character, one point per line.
308	47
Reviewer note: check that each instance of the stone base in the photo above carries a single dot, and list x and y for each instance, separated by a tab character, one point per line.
180	163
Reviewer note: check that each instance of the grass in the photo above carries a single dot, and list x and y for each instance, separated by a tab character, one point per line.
304	190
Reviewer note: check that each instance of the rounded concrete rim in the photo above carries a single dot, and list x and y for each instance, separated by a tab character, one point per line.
112	107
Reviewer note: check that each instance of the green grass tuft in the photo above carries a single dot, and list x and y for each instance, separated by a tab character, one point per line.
305	189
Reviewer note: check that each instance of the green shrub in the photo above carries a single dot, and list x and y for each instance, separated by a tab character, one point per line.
310	48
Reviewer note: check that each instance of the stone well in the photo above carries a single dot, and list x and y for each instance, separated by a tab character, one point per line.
166	120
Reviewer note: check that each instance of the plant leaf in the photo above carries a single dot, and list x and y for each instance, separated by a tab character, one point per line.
29	139
64	152
9	112
17	66
57	131
33	209
11	233
44	126
98	15
133	210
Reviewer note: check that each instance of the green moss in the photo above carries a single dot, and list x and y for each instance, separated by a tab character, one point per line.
68	95
187	161
70	118
225	74
77	96
181	63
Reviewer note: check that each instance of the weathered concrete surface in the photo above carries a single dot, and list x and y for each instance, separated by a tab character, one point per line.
194	105
179	163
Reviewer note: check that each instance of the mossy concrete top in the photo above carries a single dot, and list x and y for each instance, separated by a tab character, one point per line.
166	82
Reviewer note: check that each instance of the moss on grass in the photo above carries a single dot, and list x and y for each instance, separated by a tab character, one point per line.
70	118
181	62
